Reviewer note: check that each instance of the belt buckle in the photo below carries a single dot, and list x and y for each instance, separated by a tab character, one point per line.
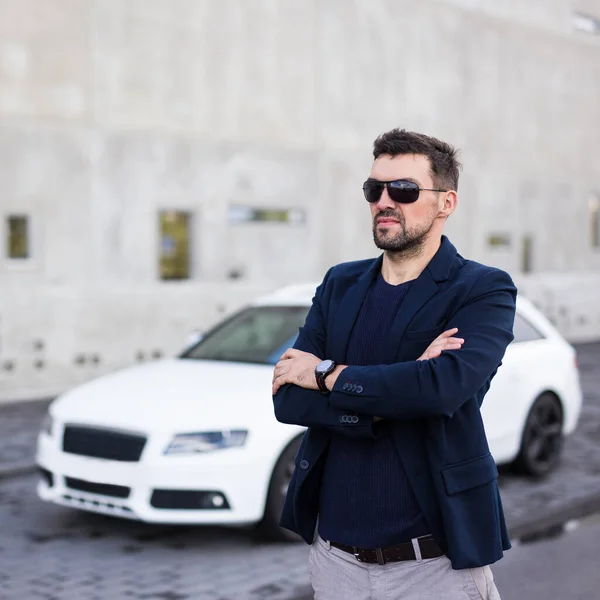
378	552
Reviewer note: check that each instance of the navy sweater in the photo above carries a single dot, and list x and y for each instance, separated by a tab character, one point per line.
366	500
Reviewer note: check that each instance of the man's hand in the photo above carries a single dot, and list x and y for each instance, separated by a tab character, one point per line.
445	341
297	367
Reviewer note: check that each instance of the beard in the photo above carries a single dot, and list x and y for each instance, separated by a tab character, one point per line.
406	241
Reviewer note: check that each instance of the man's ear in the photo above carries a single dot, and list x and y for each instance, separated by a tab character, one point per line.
449	204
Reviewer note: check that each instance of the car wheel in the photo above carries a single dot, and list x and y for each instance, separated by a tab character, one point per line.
542	441
280	479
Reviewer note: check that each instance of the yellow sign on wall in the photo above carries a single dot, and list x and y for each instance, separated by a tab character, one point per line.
174	245
18	237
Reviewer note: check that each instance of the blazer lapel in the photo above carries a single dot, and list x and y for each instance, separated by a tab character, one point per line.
420	291
348	310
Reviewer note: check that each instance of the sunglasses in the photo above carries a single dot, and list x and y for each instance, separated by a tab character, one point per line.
399	190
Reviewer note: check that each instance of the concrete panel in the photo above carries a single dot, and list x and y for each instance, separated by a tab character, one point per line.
343	213
249	78
45	174
554	15
44	59
139	175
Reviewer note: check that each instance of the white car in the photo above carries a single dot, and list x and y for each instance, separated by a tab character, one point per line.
193	439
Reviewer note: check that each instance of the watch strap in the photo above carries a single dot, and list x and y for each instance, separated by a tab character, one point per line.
320	377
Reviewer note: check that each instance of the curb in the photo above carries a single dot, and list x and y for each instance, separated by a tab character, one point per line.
529	530
305	594
17	469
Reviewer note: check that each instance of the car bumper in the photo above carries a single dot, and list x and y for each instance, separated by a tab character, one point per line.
99	485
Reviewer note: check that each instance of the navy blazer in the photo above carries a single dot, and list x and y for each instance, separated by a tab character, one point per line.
434	404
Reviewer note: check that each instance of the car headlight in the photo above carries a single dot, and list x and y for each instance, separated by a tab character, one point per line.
206	441
47	424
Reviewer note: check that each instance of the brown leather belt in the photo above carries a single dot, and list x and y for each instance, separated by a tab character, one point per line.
404	551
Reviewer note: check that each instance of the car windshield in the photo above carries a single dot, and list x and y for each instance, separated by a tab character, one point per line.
257	334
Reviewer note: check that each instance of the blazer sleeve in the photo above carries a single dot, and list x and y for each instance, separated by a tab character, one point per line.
439	386
310	408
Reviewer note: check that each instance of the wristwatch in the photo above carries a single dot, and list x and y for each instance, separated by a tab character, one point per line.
324	368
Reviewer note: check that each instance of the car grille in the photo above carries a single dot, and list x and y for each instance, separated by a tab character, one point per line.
111	508
104	489
103	443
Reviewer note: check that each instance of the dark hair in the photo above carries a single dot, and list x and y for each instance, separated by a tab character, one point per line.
442	156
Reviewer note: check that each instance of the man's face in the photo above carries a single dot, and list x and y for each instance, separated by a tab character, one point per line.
403	228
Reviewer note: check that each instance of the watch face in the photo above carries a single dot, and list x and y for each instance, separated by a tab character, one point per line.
324	366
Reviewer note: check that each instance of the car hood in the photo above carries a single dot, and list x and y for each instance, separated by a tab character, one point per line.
173	394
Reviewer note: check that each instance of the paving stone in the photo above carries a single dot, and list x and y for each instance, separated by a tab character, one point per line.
19	426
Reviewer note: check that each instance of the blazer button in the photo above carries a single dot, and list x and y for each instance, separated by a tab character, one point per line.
359	389
345	387
354	419
341	419
304	464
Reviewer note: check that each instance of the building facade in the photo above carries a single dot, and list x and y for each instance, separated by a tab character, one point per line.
163	161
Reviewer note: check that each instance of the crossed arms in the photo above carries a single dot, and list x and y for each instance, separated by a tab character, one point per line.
448	374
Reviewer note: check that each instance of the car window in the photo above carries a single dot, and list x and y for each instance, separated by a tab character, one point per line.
258	334
276	355
524	331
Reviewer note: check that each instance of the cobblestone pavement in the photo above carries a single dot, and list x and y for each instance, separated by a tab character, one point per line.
55	553
578	476
50	552
19	424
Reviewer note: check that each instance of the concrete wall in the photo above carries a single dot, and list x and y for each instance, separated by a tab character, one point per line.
111	111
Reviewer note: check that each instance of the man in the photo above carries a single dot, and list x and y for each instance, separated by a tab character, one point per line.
395	465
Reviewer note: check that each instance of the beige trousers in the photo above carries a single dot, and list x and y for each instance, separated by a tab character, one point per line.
337	575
